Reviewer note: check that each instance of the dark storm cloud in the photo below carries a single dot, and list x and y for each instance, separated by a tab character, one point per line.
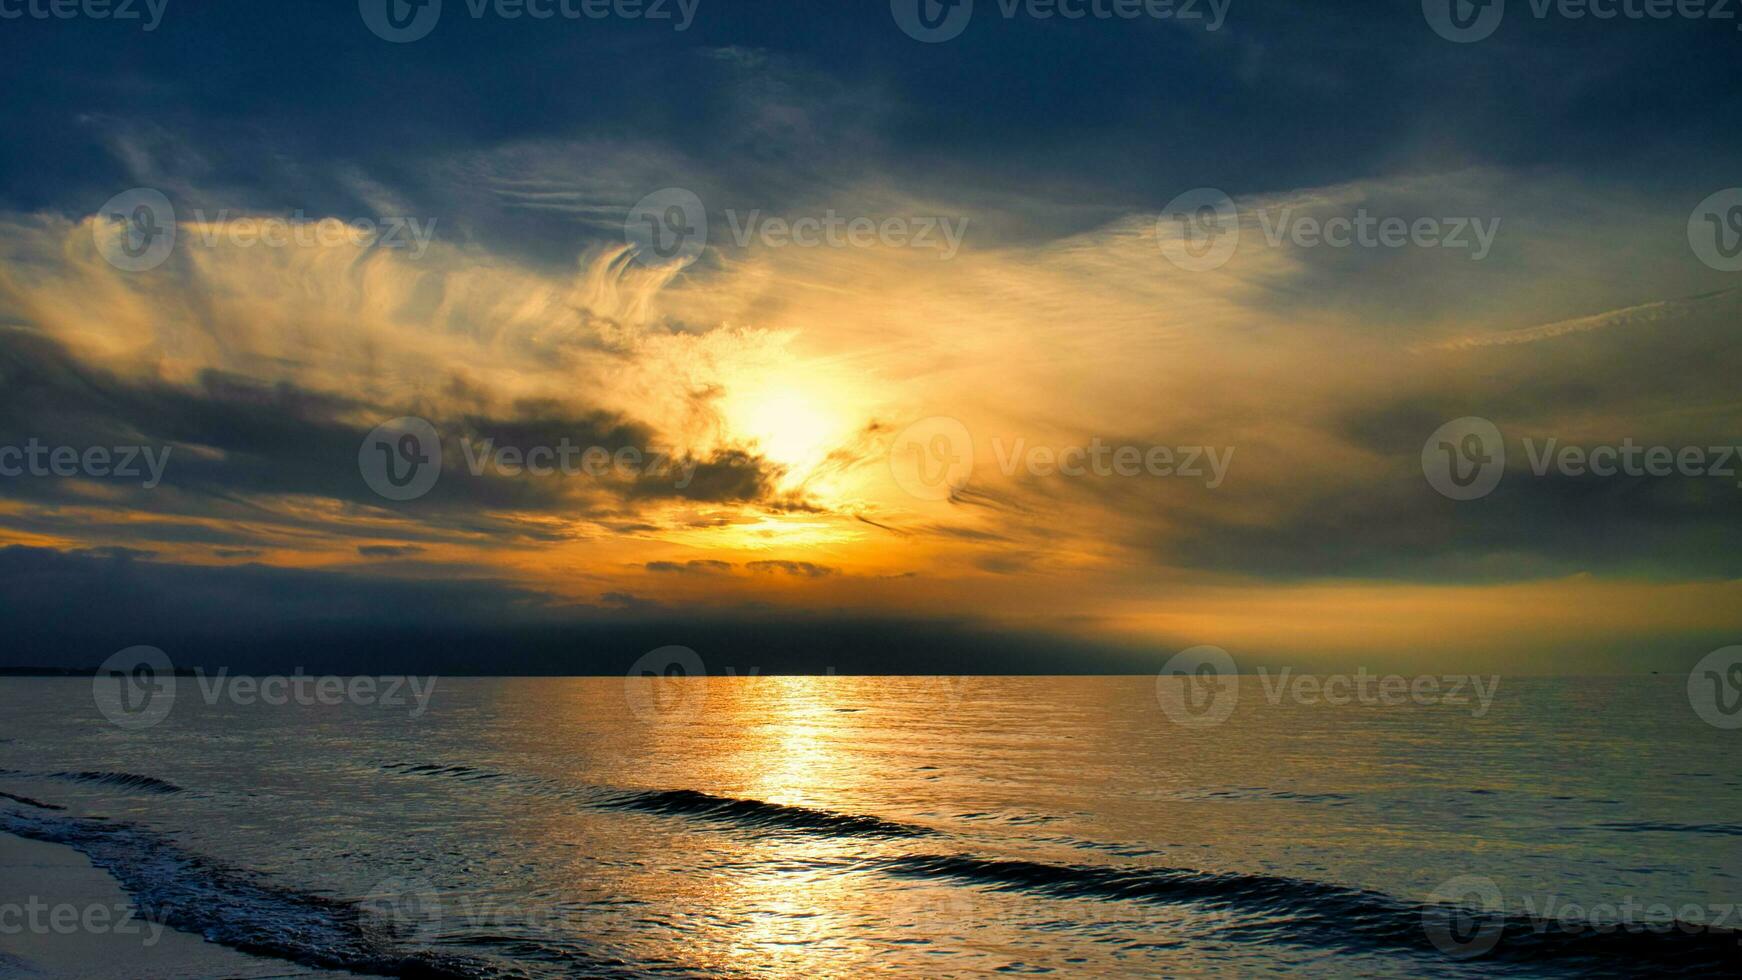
81	592
389	550
69	610
1337	490
1529	527
231	438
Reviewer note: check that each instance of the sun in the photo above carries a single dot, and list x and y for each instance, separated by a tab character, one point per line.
789	425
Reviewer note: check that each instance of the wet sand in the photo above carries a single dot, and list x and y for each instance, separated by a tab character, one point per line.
62	918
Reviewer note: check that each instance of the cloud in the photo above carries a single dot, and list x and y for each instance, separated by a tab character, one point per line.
695	566
389	550
802	569
772	384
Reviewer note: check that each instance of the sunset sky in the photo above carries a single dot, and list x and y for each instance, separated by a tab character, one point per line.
784	374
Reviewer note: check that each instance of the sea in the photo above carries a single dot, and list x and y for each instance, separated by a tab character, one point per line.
936	827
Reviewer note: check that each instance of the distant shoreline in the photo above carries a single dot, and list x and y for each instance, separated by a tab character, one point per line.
88	672
72	672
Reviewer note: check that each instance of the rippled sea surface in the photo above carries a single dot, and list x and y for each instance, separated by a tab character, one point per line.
924	827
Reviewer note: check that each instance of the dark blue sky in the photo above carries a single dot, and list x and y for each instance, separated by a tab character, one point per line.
276	97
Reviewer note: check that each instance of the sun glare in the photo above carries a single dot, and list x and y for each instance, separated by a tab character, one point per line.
789	425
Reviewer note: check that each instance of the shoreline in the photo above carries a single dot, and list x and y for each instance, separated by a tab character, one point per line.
62	917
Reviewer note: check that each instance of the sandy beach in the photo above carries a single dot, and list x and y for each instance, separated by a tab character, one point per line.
62	918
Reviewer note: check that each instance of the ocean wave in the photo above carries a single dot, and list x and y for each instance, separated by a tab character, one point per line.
680	802
1319	914
1656	827
430	769
27	801
241	910
1118	850
758	813
1249	793
124	780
